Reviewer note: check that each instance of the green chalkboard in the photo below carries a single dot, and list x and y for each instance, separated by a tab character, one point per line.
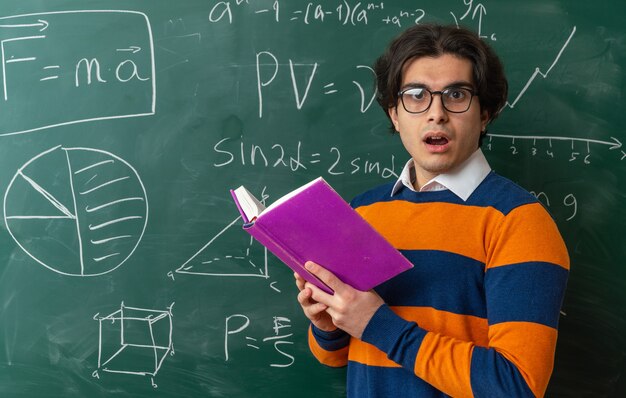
123	268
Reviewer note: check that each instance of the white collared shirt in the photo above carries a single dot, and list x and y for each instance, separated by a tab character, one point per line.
462	181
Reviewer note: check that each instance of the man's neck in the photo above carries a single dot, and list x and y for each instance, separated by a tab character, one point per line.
419	179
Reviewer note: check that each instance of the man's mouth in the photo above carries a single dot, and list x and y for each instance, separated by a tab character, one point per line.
436	140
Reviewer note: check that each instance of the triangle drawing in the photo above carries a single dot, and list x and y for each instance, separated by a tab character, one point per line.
245	257
40	204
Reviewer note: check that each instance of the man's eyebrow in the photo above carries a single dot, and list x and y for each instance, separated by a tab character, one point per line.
414	85
460	84
454	84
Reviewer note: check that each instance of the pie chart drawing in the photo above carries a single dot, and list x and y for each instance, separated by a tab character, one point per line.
77	211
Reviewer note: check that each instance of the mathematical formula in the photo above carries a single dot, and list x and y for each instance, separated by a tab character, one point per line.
230	152
347	13
236	325
266	60
118	72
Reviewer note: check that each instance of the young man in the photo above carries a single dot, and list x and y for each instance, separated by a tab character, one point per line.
477	316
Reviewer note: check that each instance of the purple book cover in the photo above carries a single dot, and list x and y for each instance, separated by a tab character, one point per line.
318	225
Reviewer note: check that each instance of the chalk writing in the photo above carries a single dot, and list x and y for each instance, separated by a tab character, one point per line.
238	323
413	16
239	153
477	11
538	71
121	66
138	336
569	201
266	60
250	260
76	211
576	155
343	13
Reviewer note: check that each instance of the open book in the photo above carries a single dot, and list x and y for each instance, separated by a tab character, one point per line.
314	223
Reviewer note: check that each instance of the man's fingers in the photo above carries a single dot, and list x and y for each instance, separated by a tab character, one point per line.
304	296
310	306
299	281
324	275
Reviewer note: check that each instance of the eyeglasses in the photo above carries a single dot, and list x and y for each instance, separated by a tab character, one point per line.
453	99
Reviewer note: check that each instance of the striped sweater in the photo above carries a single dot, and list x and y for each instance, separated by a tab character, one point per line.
477	316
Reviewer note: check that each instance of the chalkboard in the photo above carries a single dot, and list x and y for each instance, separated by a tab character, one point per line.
123	267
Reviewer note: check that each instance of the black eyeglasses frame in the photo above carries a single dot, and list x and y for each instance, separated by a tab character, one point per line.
432	96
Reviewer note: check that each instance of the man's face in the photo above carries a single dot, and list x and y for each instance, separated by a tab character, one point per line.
438	140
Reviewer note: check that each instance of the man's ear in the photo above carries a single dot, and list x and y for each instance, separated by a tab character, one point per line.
393	115
484	120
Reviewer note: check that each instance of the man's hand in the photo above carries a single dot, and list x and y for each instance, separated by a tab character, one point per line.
316	312
348	309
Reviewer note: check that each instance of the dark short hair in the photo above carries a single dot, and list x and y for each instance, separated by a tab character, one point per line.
435	40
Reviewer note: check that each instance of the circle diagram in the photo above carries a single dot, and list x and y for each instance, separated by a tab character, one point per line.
77	211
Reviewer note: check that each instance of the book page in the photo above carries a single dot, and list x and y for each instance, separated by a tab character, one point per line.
248	203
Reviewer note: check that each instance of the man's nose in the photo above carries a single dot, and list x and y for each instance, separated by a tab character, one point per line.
437	113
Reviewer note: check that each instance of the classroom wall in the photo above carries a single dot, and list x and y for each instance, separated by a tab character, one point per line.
123	124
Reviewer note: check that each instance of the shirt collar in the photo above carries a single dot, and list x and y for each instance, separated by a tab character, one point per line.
462	181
